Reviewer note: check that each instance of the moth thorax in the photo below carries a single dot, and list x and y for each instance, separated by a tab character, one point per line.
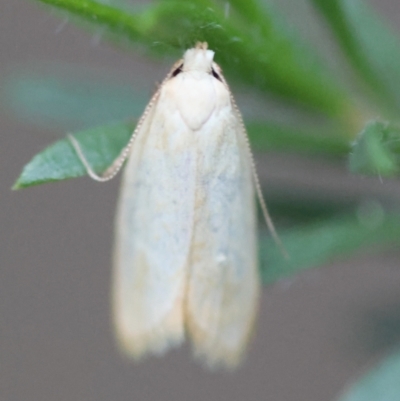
198	60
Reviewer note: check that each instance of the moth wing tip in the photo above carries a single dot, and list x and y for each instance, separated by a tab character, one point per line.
213	352
155	342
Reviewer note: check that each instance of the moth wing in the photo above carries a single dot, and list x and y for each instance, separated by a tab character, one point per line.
223	287
153	233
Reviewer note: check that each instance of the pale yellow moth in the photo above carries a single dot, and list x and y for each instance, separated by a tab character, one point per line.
185	255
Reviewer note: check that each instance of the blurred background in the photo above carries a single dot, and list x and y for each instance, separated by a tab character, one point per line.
318	330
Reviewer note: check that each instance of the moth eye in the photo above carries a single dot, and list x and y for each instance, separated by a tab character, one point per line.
177	71
215	74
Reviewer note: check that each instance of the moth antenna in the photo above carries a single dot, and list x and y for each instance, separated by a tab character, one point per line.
261	200
117	164
263	204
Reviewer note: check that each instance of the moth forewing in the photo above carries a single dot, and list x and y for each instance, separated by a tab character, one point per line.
223	286
153	233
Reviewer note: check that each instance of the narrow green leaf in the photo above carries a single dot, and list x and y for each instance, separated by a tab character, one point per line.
379	384
116	20
294	209
319	243
71	99
269	59
59	161
373	151
250	10
268	136
369	43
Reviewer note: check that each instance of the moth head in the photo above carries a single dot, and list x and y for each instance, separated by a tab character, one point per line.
198	59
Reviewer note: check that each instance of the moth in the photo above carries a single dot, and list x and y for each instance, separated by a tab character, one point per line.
185	252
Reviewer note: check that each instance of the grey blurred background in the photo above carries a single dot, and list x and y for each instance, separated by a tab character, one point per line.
316	332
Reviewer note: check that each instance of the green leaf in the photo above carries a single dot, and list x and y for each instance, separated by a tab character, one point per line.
319	243
379	384
101	145
270	136
59	161
71	99
116	20
373	151
371	46
250	10
269	59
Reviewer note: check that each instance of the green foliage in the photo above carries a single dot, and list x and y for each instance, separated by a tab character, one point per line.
258	50
379	384
312	245
370	46
59	161
277	137
251	45
376	150
70	98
